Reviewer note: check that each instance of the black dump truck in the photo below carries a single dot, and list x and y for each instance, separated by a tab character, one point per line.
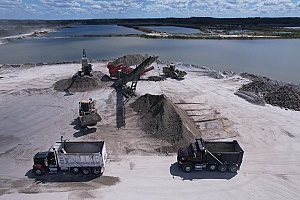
213	155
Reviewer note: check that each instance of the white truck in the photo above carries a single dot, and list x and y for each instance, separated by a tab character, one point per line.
72	156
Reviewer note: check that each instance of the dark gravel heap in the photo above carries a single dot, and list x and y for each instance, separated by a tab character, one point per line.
80	84
130	60
284	97
161	119
274	92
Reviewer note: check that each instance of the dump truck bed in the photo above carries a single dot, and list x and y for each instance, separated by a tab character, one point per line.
83	147
227	152
81	154
223	146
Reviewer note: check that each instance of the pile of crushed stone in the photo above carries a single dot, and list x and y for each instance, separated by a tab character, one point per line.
274	93
161	119
130	60
81	84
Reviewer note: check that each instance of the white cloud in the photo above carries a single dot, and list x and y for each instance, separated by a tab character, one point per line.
59	3
68	9
10	2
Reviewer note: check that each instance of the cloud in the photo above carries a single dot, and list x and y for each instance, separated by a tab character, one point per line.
82	9
59	3
10	2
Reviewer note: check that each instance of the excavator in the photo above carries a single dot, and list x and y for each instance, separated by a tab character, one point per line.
170	71
86	68
88	115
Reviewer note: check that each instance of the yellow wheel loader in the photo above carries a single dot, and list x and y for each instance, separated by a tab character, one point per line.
88	115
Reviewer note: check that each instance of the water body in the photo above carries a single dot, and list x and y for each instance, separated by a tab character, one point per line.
173	29
278	59
93	30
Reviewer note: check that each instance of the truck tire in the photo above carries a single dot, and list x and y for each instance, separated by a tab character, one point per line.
75	170
86	171
187	168
97	170
212	167
233	168
38	171
222	168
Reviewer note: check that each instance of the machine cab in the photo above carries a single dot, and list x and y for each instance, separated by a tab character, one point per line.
172	67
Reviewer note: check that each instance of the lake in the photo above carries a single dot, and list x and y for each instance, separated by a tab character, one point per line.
173	29
275	58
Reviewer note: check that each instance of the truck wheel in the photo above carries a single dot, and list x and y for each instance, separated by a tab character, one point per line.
86	171
187	168
222	168
96	170
38	171
212	167
75	170
233	168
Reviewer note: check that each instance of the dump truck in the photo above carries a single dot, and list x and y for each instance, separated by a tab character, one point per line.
86	68
88	115
170	71
213	155
87	157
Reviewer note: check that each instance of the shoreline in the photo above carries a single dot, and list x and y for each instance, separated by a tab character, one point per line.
218	74
207	71
36	33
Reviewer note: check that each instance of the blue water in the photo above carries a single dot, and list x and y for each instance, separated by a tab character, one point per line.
277	58
93	30
173	29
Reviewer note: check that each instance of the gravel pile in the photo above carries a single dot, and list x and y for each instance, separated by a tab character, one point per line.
273	92
284	97
130	60
80	84
161	119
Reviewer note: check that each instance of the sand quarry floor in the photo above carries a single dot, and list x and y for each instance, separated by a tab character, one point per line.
34	116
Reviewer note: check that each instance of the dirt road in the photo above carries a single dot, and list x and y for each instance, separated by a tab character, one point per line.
34	116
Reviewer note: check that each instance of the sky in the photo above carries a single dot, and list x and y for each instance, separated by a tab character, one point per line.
109	9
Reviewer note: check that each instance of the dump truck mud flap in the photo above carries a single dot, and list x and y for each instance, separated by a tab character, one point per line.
90	119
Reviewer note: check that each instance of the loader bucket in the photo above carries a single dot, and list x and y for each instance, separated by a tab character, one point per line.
90	119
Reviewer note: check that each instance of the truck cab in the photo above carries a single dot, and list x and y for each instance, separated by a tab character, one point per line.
44	161
191	155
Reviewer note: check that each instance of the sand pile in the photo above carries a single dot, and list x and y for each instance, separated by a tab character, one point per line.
274	93
161	119
80	84
130	60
